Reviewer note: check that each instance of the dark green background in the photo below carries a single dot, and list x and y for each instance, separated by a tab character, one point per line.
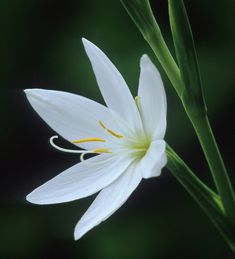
40	46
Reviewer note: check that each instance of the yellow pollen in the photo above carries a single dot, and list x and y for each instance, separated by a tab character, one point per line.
102	125
101	150
137	98
110	131
137	102
114	134
84	140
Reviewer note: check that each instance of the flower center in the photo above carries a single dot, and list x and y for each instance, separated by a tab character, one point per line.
139	147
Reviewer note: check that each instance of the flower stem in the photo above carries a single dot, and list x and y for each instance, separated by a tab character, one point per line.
205	135
209	201
160	49
141	13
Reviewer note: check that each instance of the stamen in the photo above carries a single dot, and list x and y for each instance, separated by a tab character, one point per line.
102	125
137	98
82	152
65	149
110	131
137	102
102	150
82	159
97	150
114	133
84	140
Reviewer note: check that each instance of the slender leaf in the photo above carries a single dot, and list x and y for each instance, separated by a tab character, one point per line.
207	199
192	94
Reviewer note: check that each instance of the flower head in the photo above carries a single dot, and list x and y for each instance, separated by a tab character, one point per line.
127	135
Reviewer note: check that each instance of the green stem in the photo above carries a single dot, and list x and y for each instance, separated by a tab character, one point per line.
190	181
205	135
141	13
186	56
209	201
193	101
160	49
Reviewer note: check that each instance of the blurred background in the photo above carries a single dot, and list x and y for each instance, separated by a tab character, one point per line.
41	47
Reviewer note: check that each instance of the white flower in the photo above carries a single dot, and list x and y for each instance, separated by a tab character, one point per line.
127	134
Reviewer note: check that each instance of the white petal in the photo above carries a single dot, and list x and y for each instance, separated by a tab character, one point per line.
109	200
70	115
152	98
112	85
80	180
154	160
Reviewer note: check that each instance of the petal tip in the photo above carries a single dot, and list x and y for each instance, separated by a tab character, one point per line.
30	198
32	91
78	233
87	44
91	49
36	199
76	237
28	91
144	59
38	94
27	197
85	41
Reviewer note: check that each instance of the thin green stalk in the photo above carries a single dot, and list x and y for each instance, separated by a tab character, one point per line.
141	13
160	49
194	103
186	54
205	135
209	201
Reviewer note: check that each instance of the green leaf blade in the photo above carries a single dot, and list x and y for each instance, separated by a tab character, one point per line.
192	94
207	199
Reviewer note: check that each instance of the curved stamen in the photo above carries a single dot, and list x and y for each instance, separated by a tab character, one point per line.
99	151
82	159
95	151
65	149
82	152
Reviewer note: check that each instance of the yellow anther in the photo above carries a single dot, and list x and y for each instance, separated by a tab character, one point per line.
114	134
101	150
137	102
84	140
102	125
110	131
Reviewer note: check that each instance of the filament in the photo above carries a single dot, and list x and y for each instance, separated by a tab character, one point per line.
110	131
101	150
84	140
82	152
65	149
